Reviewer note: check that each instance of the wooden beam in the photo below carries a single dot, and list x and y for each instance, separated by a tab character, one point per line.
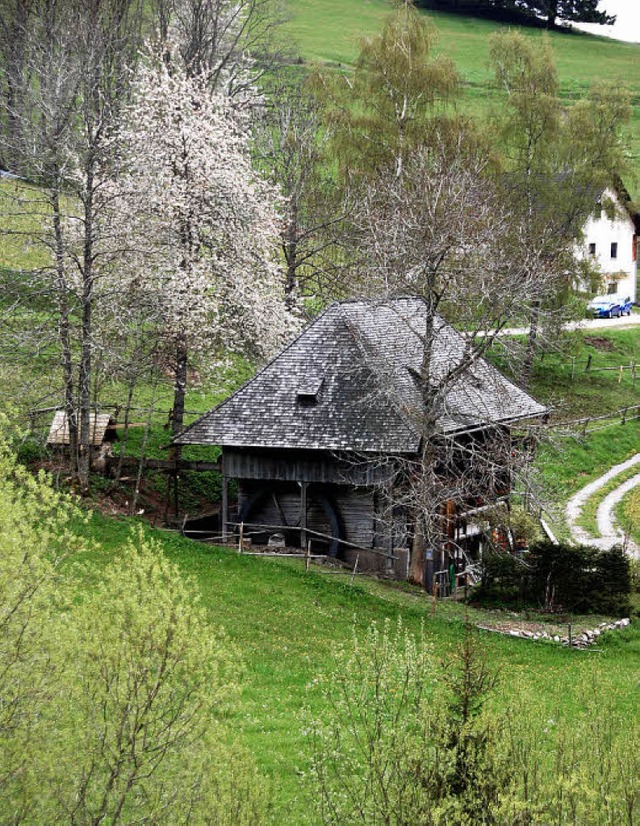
164	464
303	514
224	509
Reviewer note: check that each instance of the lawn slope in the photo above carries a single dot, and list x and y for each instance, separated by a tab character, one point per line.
286	623
329	32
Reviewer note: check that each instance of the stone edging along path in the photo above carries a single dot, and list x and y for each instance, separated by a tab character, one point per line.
582	640
609	533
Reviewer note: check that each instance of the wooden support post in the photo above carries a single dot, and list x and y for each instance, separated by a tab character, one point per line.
620	374
355	568
303	514
241	538
429	569
224	515
307	556
176	492
589	357
573	367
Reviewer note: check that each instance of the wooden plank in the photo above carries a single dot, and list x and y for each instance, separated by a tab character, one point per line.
300	466
303	514
319	534
165	464
225	508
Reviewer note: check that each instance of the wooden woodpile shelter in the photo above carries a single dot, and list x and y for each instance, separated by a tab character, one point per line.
102	433
310	439
102	430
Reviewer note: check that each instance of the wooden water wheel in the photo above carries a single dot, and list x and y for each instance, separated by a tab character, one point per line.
270	509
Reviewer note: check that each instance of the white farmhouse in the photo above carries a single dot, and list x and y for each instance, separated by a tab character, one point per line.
610	238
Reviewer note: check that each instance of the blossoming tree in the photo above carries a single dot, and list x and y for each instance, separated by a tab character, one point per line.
200	224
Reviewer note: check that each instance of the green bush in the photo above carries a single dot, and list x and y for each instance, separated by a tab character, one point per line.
404	739
112	701
559	578
580	578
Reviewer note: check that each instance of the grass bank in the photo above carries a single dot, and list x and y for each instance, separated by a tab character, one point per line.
286	623
330	33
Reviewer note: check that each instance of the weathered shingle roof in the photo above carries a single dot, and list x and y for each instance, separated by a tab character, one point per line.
361	360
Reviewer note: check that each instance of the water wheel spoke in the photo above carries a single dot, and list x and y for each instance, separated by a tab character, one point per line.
276	502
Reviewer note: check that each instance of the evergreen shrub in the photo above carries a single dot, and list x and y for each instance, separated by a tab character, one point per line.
560	578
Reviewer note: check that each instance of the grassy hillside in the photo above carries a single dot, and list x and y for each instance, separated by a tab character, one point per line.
286	623
329	32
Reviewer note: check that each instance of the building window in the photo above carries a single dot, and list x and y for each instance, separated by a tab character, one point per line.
612	289
592	249
614	249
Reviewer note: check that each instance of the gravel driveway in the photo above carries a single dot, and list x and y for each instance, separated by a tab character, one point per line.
609	533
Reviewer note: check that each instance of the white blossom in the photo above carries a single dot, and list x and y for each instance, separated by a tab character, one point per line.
200	224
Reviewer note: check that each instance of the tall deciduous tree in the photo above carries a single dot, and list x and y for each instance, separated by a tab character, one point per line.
231	42
426	220
556	160
397	99
442	232
73	79
201	225
291	145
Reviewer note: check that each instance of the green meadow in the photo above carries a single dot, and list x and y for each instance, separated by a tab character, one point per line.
330	33
286	622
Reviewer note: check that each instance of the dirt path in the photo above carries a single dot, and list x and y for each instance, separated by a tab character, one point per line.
609	533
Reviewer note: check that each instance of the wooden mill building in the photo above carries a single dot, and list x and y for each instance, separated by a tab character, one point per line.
312	437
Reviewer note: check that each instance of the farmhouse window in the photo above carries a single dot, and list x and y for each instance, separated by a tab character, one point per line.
614	249
592	249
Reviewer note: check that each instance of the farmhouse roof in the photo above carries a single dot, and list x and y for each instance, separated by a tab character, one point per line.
99	424
348	382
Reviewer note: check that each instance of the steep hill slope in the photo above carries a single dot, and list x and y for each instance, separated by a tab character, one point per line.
287	622
329	32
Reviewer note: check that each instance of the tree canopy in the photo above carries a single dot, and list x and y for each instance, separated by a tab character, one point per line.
574	11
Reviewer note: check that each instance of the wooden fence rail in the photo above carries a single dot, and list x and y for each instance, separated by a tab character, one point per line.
162	464
259	528
621	416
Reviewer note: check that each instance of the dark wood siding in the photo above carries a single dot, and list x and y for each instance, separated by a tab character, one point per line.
300	466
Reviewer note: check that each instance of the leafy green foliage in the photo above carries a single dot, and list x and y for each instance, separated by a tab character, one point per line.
404	740
112	700
330	32
560	577
407	740
398	99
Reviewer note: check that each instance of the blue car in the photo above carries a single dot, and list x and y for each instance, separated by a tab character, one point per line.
609	306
